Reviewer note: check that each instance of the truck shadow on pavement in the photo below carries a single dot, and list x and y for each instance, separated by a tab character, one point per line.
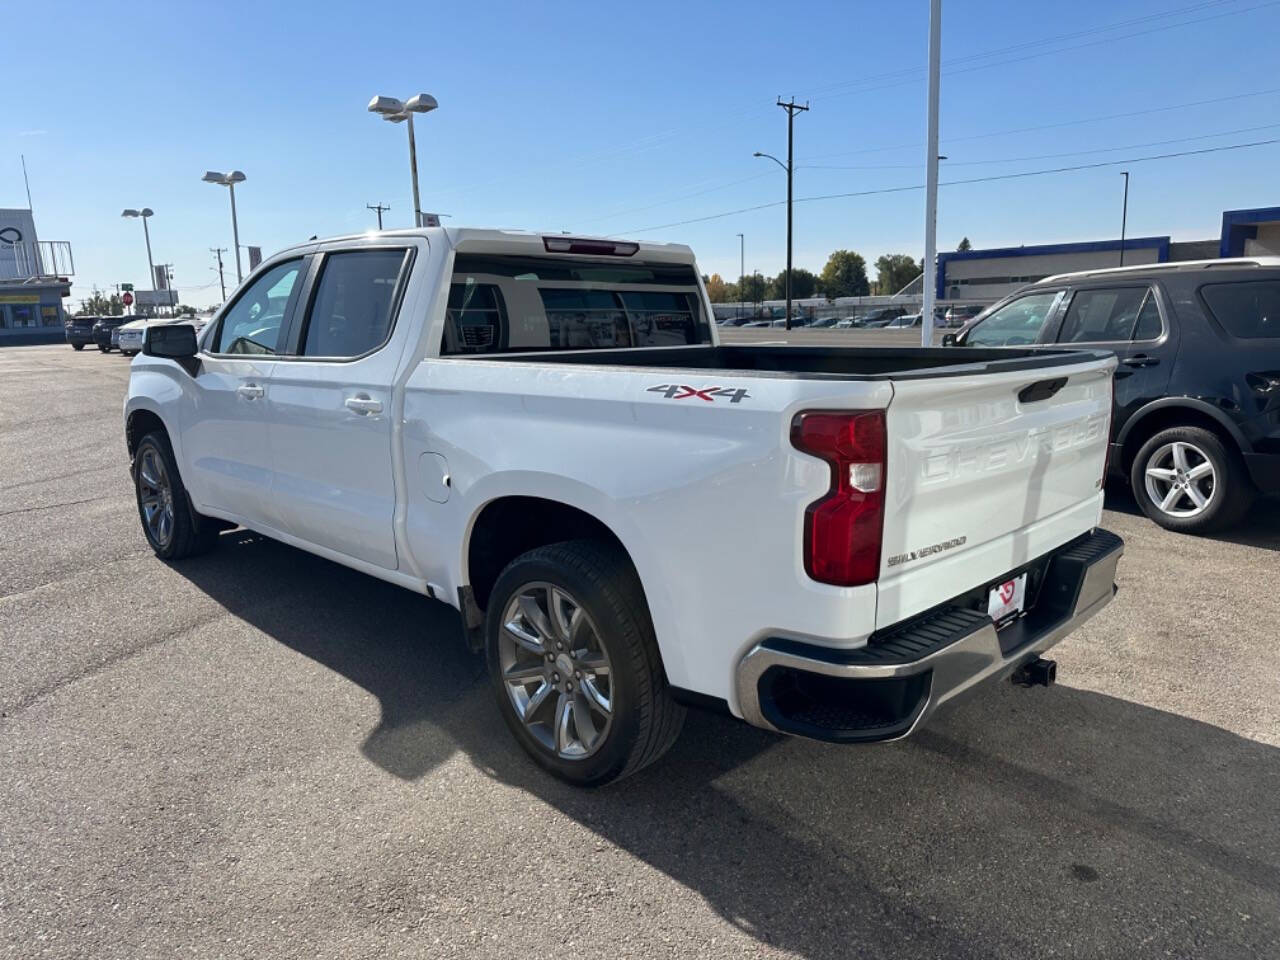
1020	823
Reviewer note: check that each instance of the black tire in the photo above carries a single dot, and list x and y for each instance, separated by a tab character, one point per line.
1230	491
102	349
77	346
645	719
188	533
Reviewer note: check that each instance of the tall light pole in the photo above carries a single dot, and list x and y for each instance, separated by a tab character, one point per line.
931	178
229	180
792	109
742	272
398	111
1124	213
144	213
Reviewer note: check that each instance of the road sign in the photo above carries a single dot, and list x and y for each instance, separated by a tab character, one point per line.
127	299
126	287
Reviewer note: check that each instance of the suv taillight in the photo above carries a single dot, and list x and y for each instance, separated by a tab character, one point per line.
843	530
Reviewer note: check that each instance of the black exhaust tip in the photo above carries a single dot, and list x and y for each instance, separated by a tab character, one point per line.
1037	673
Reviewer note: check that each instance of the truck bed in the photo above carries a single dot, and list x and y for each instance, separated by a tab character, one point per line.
816	363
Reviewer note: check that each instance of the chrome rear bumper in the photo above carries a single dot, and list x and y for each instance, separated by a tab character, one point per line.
886	689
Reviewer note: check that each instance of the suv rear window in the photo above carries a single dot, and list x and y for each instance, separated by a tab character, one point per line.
513	304
1249	310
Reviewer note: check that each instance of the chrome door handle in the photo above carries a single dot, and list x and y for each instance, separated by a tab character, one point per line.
363	405
250	391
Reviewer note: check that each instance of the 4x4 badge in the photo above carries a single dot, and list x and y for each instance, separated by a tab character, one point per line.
679	391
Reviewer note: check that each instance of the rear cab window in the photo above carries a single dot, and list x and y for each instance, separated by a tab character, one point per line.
1248	310
1112	315
516	304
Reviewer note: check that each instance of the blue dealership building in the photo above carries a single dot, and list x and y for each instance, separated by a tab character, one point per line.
986	275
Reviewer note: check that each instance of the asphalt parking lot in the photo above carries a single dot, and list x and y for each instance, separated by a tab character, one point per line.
259	753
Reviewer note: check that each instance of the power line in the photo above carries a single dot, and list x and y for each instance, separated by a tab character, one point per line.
1058	124
916	75
1051	156
914	72
955	183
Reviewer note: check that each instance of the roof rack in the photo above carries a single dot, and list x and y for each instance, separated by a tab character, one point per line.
1228	263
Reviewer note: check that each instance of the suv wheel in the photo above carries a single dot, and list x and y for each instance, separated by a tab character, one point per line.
1186	479
575	665
172	528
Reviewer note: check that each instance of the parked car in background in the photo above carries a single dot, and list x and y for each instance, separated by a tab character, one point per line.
906	320
545	432
959	316
1196	425
848	323
105	329
79	331
823	322
130	335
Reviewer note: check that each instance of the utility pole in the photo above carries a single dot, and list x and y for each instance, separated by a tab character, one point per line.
792	109
742	272
931	178
218	252
1124	213
379	209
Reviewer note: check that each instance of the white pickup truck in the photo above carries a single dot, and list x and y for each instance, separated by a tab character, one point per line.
545	432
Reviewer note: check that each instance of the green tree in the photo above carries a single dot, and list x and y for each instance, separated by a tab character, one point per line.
964	245
894	271
845	275
98	304
753	288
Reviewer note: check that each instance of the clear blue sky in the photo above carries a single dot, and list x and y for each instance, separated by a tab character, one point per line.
610	118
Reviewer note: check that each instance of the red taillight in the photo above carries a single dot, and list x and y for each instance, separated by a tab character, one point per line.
843	530
599	248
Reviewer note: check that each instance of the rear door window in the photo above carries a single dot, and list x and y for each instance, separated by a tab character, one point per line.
1106	315
508	303
1249	310
352	309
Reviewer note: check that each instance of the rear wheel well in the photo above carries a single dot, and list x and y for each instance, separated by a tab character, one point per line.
510	526
140	423
1167	417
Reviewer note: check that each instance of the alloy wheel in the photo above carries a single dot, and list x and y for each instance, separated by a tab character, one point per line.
555	670
155	496
1180	479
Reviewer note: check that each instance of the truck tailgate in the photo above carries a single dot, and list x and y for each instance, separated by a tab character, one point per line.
985	472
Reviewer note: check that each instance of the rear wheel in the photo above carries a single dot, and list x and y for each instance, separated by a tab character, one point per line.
77	346
170	525
1186	479
102	349
575	664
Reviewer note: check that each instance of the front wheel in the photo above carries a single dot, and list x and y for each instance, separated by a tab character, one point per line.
77	346
102	349
1187	480
172	528
575	666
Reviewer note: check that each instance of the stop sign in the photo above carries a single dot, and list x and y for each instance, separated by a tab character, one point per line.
127	299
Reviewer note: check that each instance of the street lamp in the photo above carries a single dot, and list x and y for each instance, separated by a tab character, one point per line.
229	180
398	111
143	214
1124	213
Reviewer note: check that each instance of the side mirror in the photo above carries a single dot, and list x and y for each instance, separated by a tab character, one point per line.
177	341
948	339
